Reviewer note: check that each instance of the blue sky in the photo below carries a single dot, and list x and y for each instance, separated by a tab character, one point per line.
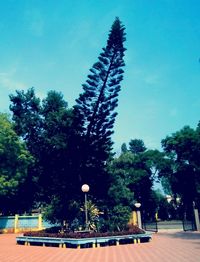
52	44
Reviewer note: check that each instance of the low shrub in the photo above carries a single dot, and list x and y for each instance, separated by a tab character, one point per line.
55	233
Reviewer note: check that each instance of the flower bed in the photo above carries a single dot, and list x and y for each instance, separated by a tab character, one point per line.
83	239
51	233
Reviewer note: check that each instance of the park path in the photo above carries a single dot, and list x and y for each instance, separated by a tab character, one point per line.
165	247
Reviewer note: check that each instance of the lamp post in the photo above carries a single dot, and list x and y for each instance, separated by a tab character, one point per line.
169	198
138	205
196	217
85	188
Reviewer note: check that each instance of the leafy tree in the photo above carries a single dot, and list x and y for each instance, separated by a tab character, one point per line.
121	176
118	217
46	129
137	146
132	177
130	182
166	185
26	116
95	109
183	150
15	162
124	148
54	152
163	208
158	163
93	215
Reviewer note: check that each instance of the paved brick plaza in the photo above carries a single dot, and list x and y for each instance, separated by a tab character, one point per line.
165	247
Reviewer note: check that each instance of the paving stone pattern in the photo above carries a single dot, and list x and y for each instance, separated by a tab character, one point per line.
164	247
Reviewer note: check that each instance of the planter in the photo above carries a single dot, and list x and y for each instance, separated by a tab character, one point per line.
84	242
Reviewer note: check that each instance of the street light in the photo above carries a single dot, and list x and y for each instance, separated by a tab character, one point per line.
85	188
169	198
138	205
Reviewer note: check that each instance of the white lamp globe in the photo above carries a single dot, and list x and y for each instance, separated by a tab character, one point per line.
85	188
138	205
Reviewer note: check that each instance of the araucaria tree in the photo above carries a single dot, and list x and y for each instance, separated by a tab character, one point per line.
96	106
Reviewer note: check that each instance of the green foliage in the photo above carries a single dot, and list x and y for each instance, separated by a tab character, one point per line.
95	110
158	163
58	211
120	178
118	217
26	109
166	185
55	157
132	175
15	162
49	136
124	148
76	224
137	175
183	150
93	215
137	146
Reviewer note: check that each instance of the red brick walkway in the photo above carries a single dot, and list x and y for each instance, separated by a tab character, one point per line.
165	247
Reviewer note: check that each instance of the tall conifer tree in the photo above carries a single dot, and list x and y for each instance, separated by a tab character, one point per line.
96	105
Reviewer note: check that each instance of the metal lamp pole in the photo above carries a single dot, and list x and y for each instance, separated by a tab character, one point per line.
85	188
138	205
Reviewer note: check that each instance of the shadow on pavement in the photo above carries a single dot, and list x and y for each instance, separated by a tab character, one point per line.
181	234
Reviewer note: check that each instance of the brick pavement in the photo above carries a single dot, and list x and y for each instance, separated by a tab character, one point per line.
164	247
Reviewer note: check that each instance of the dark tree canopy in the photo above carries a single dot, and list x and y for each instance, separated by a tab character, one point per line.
15	162
137	146
124	148
26	109
183	149
96	106
46	129
97	103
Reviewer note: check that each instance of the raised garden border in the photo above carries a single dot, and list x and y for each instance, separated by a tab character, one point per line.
83	242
